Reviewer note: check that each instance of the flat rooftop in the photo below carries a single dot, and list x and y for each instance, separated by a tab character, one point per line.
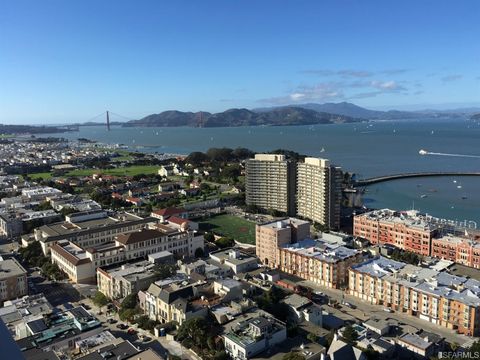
11	267
321	250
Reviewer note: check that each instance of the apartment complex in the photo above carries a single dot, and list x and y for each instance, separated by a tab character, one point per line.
270	183
272	235
319	191
441	298
317	261
457	249
404	230
13	280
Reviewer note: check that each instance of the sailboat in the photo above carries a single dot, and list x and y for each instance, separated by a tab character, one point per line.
322	150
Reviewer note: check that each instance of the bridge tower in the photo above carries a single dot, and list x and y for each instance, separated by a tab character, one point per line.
108	121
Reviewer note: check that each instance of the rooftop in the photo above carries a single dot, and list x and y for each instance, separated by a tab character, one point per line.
11	267
321	250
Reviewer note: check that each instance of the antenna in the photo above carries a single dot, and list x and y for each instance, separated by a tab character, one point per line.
108	121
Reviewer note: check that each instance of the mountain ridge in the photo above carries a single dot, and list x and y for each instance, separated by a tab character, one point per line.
242	117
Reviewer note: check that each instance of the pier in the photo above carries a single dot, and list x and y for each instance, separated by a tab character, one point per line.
375	180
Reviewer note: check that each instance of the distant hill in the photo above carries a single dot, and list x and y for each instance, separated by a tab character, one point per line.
352	110
242	117
475	116
29	129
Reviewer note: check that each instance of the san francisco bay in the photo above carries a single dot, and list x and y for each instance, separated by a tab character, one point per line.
366	149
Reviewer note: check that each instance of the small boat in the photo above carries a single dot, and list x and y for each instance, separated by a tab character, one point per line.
423	196
464	197
459	186
322	150
433	132
454	181
423	152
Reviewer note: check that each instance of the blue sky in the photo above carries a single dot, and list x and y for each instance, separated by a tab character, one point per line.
63	61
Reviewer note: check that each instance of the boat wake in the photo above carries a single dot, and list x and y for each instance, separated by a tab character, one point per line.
425	152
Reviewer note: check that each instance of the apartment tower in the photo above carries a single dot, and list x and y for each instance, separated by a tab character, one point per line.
270	183
319	192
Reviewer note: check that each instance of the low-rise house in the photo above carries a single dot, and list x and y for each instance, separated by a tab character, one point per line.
121	281
417	345
60	331
252	333
17	313
340	350
164	214
302	309
228	289
174	302
237	261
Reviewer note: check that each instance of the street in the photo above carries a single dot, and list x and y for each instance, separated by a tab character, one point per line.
161	345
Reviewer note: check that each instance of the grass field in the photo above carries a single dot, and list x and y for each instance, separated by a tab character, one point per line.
228	225
42	175
123	171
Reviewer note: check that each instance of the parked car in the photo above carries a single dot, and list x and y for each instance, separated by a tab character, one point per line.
131	331
122	326
387	309
111	321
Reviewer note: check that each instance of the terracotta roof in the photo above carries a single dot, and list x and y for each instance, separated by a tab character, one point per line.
169	211
177	220
138	236
71	258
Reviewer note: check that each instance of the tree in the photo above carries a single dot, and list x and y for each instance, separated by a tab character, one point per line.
350	335
196	158
195	332
163	271
209	237
225	242
99	299
129	302
127	314
293	356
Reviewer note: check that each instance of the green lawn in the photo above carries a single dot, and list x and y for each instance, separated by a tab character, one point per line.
122	171
228	225
42	175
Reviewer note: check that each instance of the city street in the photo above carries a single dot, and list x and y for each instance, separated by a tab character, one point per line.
161	345
365	311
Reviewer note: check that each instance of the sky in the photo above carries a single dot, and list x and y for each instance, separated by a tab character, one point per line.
65	61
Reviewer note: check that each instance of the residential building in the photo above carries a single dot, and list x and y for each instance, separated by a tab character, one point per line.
252	333
236	260
174	302
303	309
17	313
11	226
270	183
164	214
404	230
13	280
120	281
319	191
60	331
446	300
317	261
270	236
457	249
417	345
340	350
